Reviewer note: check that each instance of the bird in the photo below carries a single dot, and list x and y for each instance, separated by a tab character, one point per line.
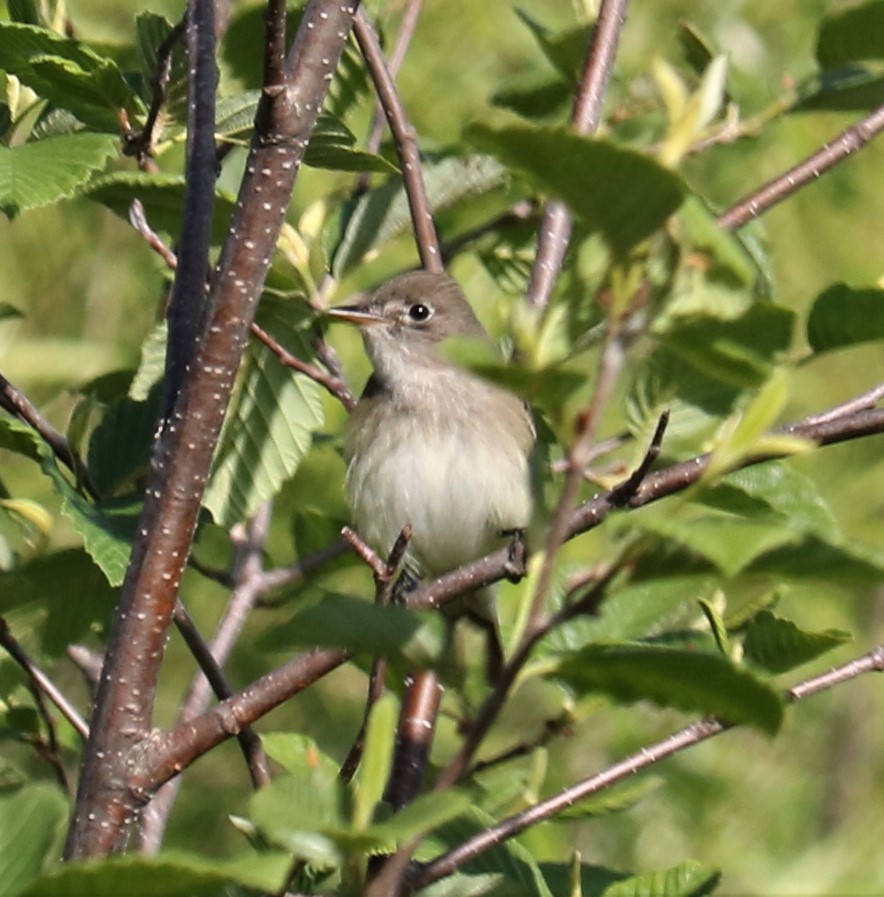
432	445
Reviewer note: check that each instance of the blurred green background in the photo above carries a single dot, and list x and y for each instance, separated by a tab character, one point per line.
797	815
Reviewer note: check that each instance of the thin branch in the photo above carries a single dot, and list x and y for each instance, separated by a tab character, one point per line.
138	220
863	402
555	229
406	143
337	386
41	681
782	187
18	405
693	734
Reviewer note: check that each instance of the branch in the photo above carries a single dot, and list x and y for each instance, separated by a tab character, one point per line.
406	143
107	799
555	229
673	479
693	734
782	187
41	681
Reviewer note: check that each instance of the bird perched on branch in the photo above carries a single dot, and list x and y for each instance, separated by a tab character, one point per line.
431	444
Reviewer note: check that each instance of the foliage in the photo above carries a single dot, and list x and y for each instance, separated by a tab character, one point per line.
689	607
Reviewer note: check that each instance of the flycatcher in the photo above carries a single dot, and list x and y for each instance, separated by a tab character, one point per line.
430	444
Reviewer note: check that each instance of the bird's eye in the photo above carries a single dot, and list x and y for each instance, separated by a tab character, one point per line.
419	312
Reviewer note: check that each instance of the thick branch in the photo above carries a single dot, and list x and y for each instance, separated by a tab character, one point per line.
107	801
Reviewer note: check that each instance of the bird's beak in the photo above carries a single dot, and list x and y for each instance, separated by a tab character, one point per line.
355	314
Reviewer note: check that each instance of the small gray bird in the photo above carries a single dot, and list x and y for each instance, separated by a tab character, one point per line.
430	444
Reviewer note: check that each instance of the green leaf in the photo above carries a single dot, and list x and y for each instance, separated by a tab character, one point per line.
778	645
565	50
843	316
297	754
107	528
171	874
611	800
728	541
162	197
691	681
152	30
68	73
621	193
425	814
716	625
851	35
302	812
120	446
30	820
270	423
340	621
814	560
689	879
851	88
44	171
383	213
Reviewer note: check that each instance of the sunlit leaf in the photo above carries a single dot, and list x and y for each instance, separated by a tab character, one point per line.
689	879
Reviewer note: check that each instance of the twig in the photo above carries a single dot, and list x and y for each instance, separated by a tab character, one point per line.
693	734
397	57
868	399
41	681
406	143
337	386
138	220
782	187
18	405
284	576
555	229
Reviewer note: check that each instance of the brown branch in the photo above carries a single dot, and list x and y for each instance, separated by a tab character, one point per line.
110	786
693	734
782	187
406	143
41	681
586	116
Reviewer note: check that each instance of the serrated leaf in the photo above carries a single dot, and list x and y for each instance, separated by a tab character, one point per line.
778	645
68	73
689	879
842	316
623	194
44	171
162	197
152	31
425	814
851	35
270	423
695	682
171	874
341	621
30	819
